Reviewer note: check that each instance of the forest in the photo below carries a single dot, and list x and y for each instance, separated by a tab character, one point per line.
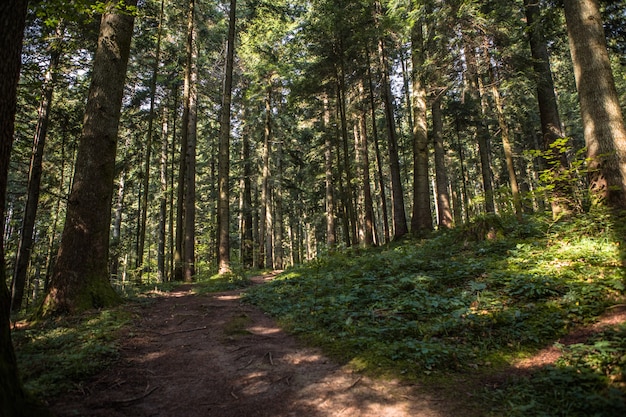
443	183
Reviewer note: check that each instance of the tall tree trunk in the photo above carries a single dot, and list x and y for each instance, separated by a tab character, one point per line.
223	201
482	132
265	220
603	122
331	234
422	220
379	160
189	249
362	151
445	218
25	245
400	227
146	172
81	279
161	267
562	194
247	238
462	164
116	230
279	262
182	164
13	400
506	145
172	237
347	195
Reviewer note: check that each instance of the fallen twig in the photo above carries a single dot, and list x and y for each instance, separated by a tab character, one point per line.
246	365
354	383
129	401
184	331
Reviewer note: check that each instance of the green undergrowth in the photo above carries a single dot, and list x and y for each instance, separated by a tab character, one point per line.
55	355
463	303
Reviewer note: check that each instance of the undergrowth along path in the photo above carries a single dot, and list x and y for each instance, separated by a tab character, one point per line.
205	355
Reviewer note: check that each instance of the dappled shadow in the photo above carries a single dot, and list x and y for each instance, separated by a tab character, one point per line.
210	355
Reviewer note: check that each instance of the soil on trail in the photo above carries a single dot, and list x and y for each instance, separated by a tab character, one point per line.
205	355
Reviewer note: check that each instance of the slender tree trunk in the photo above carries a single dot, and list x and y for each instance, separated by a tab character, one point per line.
462	164
161	267
277	194
506	145
265	221
342	209
400	227
445	218
347	196
482	132
81	277
116	230
247	239
561	200
331	235
182	175
189	249
25	245
362	150
172	241
603	122
379	161
146	173
422	220
223	201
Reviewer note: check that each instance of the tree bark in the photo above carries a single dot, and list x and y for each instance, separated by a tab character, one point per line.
445	218
421	220
331	234
364	165
247	238
506	146
146	172
189	249
400	227
182	164
25	245
561	196
161	268
277	194
482	132
116	230
81	280
603	122
265	220
223	202
379	161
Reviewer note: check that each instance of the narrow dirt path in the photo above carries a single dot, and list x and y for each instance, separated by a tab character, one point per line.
210	355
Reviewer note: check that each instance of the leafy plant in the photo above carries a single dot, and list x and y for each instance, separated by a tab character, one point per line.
54	356
449	304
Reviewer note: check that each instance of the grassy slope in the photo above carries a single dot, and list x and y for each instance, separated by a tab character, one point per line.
455	306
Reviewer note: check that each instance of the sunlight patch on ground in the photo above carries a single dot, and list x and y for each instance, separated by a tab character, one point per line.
227	297
346	394
255	383
302	358
262	330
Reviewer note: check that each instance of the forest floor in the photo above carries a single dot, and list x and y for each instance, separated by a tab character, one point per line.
193	355
211	355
